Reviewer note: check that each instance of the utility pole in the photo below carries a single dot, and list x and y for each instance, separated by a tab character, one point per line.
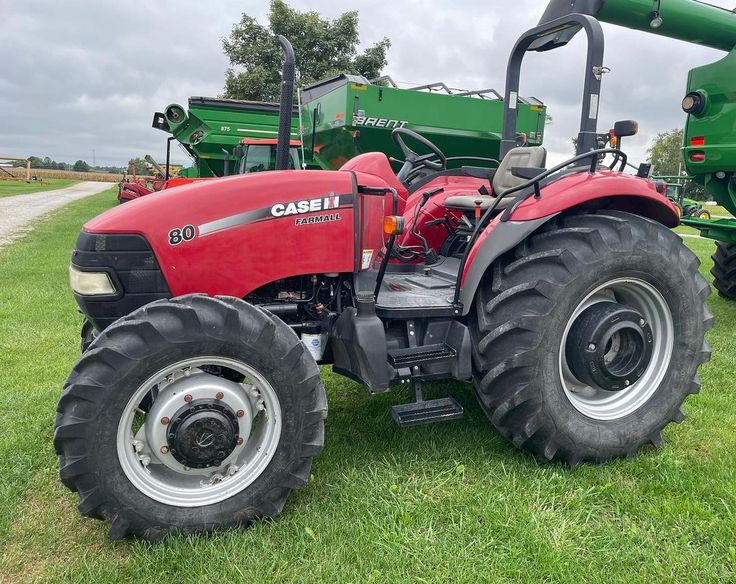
94	162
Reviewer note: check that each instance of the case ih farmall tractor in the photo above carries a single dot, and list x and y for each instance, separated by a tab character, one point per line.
561	293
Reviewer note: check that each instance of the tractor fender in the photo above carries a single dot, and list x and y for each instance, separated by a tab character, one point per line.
497	239
581	190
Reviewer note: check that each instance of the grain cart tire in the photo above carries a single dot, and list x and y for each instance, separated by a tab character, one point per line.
233	416
724	269
588	335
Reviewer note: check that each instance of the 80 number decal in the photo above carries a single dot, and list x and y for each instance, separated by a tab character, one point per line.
180	235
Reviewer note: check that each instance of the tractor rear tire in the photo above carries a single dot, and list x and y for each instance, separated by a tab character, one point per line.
235	463
724	269
529	330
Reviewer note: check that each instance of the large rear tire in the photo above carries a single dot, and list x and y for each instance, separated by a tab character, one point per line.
588	335
189	415
724	269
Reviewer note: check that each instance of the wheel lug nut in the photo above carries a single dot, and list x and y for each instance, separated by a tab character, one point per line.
627	383
239	440
165	421
164	450
642	322
240	413
591	347
187	398
219	395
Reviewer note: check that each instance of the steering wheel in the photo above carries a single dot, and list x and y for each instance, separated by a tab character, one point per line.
414	162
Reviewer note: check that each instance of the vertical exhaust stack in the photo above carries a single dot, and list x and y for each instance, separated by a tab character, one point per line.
288	73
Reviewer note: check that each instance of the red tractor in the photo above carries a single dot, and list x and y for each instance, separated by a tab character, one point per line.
561	293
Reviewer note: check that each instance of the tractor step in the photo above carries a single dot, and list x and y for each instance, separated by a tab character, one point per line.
427	412
412	356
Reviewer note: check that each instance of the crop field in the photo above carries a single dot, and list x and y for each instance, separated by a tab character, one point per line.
451	502
46	173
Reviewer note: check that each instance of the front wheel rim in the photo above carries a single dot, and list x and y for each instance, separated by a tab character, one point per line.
601	404
150	427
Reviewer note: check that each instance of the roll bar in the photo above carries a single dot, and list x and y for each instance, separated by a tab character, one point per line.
563	27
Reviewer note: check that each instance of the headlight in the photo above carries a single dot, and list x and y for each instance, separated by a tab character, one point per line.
90	283
694	103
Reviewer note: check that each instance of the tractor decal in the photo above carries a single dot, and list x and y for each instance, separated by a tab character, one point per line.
317	219
306	206
278	211
363	120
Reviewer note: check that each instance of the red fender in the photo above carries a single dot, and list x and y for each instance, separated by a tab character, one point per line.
602	190
623	192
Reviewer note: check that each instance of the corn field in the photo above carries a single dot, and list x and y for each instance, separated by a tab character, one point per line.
43	173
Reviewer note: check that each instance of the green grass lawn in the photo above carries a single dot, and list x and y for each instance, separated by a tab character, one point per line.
18	187
441	503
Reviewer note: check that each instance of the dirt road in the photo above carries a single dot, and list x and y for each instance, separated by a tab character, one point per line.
18	213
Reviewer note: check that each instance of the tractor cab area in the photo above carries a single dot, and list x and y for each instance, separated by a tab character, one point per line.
259	155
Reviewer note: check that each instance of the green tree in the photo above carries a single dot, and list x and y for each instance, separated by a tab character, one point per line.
322	48
665	154
81	166
140	166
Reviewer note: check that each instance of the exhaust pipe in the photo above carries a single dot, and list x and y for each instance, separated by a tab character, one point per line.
286	106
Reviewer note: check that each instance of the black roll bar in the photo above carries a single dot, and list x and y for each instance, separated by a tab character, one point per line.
587	137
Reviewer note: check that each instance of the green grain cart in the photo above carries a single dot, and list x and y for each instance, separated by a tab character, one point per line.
211	128
344	116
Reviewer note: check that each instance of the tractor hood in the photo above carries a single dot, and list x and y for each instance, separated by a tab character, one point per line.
233	235
206	202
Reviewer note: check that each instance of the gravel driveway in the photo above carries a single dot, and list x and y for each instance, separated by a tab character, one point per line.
17	213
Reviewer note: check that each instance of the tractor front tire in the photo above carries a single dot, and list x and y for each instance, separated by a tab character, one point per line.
724	269
88	334
588	335
189	415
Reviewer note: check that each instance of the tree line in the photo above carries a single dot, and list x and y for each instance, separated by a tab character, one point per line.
78	166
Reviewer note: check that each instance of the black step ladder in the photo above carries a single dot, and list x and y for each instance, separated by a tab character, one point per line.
422	411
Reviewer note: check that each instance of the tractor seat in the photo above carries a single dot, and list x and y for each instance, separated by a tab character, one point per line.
532	156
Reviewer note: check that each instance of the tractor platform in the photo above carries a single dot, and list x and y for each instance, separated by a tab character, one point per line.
419	290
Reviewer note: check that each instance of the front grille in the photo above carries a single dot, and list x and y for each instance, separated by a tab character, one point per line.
132	266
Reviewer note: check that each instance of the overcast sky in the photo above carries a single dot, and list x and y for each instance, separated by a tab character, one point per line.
78	76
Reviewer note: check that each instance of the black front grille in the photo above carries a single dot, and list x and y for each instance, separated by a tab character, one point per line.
132	266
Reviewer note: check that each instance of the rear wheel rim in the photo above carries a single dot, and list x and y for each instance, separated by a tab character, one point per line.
149	419
597	403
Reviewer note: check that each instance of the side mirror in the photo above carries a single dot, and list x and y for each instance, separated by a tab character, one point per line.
626	128
239	151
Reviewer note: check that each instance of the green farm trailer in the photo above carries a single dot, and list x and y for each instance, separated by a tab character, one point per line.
211	128
347	115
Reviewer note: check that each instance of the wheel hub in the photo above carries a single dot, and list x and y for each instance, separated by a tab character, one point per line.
203	435
199	422
609	346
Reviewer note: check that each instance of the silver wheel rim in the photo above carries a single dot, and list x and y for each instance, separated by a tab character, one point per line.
145	454
598	403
